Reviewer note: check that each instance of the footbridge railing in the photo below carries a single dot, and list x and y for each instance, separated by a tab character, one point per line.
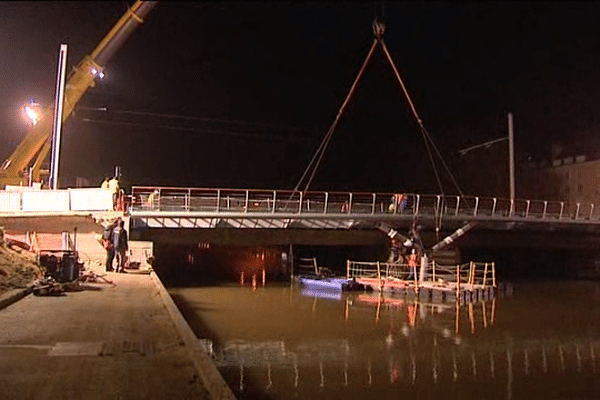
283	203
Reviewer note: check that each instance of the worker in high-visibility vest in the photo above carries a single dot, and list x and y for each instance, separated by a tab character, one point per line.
401	199
104	184
113	186
392	207
412	264
152	199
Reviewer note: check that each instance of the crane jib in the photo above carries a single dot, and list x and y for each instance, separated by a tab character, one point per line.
121	31
25	163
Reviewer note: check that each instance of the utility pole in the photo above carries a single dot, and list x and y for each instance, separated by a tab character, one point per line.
58	113
511	156
511	153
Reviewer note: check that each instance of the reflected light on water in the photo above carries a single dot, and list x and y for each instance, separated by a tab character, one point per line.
293	342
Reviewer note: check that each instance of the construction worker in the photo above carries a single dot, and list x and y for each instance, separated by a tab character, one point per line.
412	264
108	244
401	199
398	203
392	207
345	207
152	198
113	186
121	245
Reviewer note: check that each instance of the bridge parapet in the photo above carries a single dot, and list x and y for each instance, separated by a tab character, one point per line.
27	200
215	202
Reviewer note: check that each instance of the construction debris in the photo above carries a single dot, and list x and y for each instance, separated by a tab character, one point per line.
18	267
50	287
47	287
92	277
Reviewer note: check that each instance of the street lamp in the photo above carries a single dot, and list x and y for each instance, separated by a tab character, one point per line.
31	112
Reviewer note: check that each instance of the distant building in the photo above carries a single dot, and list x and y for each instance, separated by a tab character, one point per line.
569	177
577	179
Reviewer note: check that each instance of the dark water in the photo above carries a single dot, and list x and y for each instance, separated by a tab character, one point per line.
280	342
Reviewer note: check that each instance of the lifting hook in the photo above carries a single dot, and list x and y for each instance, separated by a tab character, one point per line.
378	29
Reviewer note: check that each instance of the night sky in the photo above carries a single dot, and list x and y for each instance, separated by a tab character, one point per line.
230	94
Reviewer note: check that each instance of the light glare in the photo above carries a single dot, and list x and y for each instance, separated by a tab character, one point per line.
97	73
32	115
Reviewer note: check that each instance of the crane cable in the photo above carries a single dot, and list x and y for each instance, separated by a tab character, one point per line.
325	142
378	29
426	137
321	150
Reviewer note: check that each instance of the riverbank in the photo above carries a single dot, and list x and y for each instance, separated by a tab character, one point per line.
18	268
113	339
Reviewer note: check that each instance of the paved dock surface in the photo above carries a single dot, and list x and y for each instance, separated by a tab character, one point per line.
105	342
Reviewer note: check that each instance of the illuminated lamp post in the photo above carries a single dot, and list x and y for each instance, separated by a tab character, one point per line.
31	113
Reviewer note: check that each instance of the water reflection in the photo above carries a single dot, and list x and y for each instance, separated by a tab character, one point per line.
444	318
322	294
311	344
340	364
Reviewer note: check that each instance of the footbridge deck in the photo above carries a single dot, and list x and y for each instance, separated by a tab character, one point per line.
172	207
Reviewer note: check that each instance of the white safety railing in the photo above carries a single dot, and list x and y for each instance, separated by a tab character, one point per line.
53	201
252	201
379	274
468	276
375	269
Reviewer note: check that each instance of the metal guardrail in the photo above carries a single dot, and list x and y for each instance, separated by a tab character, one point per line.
273	202
470	276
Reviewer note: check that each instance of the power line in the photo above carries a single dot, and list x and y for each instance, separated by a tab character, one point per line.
196	130
462	152
191	118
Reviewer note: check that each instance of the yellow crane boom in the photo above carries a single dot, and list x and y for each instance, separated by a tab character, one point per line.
27	159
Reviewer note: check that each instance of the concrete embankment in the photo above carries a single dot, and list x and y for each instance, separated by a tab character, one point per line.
109	341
